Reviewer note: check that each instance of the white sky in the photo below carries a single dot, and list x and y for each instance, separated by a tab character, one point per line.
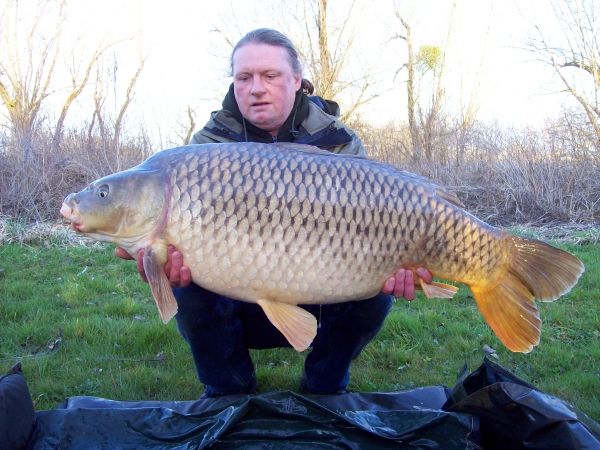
181	71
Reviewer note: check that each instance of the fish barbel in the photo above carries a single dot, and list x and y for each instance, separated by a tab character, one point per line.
285	224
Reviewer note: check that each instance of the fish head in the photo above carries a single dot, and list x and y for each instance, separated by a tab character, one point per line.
127	208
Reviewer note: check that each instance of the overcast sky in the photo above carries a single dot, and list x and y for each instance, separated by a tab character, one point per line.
182	70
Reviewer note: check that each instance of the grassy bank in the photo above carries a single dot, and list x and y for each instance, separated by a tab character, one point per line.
82	323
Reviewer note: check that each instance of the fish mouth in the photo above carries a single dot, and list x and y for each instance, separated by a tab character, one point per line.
68	213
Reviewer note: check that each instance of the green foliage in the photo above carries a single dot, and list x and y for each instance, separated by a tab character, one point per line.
429	58
83	323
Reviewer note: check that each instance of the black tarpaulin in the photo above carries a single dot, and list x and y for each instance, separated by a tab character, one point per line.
515	414
359	420
490	408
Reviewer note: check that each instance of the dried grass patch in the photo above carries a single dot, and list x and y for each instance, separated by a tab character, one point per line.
47	234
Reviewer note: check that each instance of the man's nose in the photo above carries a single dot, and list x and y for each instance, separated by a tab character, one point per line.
258	86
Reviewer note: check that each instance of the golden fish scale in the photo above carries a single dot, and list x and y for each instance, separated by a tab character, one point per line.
303	228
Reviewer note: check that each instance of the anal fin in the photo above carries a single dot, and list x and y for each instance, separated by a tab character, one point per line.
296	324
159	284
438	290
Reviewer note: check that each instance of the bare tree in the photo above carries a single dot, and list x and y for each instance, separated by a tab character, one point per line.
573	51
328	47
110	127
129	94
324	63
79	80
186	125
467	119
435	61
410	81
424	111
26	72
326	42
29	64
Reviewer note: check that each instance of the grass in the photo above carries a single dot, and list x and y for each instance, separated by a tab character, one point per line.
83	323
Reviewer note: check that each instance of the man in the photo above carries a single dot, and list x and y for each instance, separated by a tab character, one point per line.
266	103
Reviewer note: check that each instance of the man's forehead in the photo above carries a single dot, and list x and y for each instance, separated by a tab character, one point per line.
260	56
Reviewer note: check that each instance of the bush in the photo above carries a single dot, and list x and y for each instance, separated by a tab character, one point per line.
33	185
503	175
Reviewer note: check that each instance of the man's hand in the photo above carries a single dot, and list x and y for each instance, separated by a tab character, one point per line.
178	274
402	284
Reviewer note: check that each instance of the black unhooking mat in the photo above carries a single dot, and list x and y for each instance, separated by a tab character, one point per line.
490	408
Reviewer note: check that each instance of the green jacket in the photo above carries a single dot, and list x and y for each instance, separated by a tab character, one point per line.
318	129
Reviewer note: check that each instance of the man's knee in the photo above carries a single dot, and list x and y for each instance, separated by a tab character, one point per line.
198	307
371	313
193	297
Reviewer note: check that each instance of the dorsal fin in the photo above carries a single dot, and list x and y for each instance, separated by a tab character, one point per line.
449	197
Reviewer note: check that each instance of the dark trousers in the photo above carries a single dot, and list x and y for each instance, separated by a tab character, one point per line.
220	331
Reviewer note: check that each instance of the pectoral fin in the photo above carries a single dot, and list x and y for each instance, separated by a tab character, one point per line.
438	290
296	324
154	262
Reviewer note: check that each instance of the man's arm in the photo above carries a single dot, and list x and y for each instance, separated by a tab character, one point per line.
354	147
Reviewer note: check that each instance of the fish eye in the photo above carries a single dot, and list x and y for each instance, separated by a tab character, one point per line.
103	191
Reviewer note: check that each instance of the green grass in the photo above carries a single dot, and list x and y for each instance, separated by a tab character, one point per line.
113	344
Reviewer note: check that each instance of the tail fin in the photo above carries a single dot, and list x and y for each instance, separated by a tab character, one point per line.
548	272
538	270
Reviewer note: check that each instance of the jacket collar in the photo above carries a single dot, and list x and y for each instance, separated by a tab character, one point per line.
318	129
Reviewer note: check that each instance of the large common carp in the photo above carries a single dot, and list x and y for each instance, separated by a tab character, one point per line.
285	224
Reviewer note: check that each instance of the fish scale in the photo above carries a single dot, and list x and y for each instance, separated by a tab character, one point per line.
283	224
275	207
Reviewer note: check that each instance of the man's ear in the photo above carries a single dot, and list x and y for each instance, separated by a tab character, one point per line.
298	82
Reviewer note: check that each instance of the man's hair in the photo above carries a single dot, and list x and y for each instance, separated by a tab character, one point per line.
276	39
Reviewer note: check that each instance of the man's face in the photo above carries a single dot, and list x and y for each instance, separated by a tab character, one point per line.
264	85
